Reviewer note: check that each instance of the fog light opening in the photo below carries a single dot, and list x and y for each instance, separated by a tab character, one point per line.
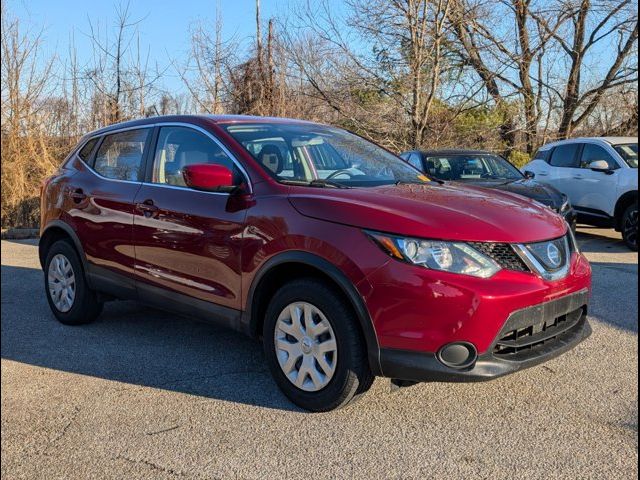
458	355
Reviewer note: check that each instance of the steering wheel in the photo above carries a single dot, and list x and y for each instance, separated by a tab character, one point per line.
339	172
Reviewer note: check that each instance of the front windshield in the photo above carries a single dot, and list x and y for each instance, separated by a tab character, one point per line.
470	167
629	153
321	155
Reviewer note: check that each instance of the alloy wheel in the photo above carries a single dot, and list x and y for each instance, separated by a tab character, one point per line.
62	283
305	346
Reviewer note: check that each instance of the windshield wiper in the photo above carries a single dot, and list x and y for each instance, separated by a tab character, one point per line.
431	179
320	183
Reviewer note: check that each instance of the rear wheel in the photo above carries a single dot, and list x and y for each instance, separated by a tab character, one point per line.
630	226
314	347
70	298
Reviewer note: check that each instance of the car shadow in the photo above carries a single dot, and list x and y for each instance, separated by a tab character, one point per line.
594	240
614	298
140	346
136	345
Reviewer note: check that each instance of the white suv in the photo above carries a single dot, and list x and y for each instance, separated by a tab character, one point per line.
600	177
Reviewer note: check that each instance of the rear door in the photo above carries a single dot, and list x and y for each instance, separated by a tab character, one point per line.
102	207
563	162
187	242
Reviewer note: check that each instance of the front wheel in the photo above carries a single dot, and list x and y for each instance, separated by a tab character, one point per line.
630	226
314	348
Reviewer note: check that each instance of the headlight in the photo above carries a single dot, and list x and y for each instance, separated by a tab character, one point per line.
452	257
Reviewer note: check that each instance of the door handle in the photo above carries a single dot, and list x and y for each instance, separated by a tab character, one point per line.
147	208
77	195
578	177
543	174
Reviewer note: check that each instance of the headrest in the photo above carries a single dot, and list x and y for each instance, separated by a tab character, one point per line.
430	166
189	157
271	158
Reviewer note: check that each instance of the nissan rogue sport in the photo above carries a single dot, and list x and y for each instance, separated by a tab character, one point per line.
346	261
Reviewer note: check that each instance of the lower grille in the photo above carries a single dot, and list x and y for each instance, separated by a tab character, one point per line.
503	254
531	328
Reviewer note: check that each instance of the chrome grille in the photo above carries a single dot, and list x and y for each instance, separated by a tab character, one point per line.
549	259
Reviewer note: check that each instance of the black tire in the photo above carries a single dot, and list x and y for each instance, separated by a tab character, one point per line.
85	306
629	226
352	375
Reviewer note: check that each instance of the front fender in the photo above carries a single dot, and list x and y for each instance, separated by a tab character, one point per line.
250	321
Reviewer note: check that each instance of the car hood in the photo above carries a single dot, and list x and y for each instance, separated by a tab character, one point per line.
448	212
539	192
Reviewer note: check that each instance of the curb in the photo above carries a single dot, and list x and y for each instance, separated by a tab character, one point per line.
19	233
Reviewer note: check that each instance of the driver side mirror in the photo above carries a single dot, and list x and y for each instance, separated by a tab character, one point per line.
600	166
529	174
208	177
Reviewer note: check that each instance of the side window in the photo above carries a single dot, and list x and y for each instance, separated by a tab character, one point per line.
85	151
593	152
542	155
565	156
178	147
430	166
120	155
415	161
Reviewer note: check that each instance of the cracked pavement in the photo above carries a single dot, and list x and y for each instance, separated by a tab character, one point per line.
146	394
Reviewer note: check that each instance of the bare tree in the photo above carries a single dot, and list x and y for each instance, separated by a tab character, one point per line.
26	154
524	66
119	75
395	74
614	19
205	73
498	74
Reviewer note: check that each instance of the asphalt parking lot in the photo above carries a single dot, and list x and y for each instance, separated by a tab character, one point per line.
144	394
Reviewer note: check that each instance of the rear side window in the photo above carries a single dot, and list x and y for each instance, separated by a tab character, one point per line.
565	156
120	155
592	152
85	151
542	155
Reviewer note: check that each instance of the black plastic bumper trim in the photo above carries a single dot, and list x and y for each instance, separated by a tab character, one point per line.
415	366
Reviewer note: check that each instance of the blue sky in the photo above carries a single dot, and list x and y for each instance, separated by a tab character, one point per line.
165	28
166	25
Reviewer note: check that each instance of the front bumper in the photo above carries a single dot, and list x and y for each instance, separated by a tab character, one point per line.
546	339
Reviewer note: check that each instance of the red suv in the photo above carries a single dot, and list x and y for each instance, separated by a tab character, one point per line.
345	260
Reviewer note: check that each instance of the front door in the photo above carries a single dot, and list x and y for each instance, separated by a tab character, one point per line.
594	191
187	242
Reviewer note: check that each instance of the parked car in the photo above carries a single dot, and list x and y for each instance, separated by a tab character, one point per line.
486	169
600	177
345	260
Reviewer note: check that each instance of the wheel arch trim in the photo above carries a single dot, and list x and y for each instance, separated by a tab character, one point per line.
251	322
67	229
625	199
